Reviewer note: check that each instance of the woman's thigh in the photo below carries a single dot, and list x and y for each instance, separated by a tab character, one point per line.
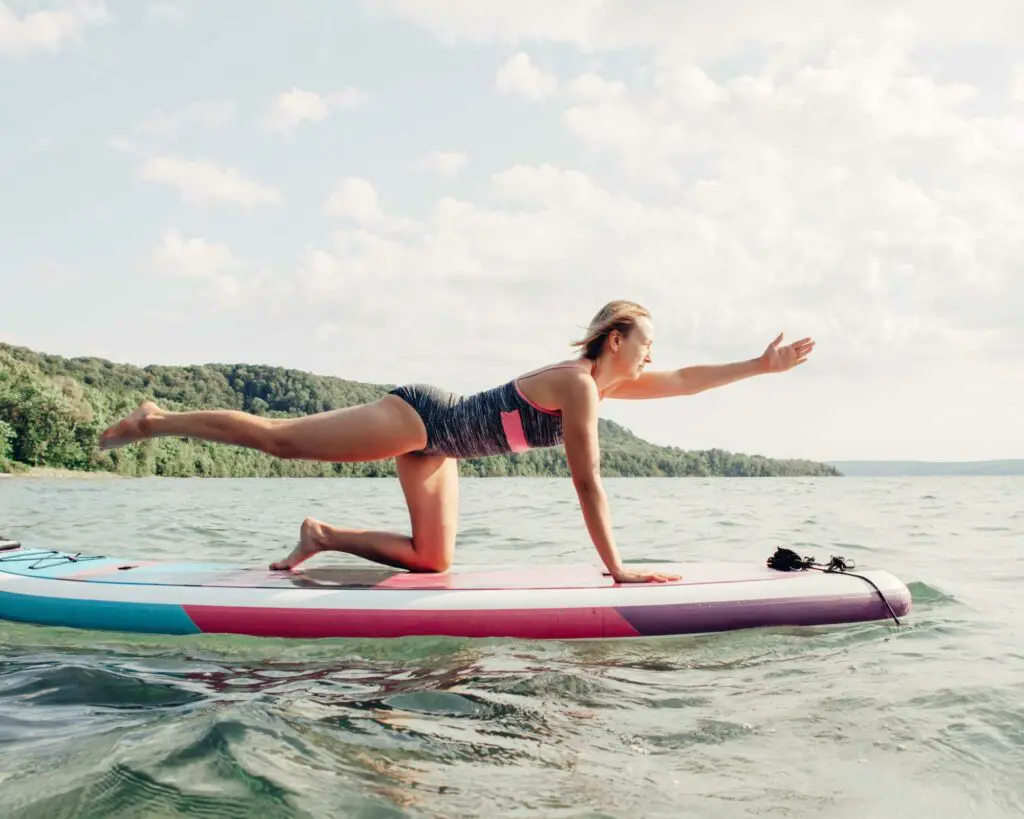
381	429
431	487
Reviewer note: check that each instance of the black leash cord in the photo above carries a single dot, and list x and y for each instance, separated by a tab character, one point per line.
786	560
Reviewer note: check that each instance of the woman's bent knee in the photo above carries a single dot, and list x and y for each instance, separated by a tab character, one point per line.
433	550
433	563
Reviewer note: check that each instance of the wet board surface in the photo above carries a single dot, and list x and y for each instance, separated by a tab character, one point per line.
97	569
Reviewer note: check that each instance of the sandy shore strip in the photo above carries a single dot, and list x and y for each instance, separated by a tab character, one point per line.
56	472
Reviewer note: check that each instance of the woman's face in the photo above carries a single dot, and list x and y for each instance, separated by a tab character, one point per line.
632	352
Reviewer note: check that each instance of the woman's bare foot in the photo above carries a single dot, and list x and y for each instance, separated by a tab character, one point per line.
310	543
133	427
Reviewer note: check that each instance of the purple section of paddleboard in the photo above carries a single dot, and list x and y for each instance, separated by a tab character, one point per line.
696	618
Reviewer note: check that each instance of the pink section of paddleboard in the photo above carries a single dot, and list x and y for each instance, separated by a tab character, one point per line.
317	623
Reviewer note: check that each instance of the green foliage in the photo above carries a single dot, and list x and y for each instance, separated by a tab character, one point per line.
6	440
53	409
6	446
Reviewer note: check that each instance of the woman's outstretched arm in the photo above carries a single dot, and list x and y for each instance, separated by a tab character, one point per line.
701	377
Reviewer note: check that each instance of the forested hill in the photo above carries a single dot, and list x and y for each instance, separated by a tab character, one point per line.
52	410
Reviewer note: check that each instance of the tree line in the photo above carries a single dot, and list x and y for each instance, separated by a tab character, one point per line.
53	409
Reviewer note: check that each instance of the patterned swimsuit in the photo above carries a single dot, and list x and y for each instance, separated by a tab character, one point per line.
497	421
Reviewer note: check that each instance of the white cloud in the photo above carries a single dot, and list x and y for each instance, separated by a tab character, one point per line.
521	77
201	182
203	114
47	29
327	332
221	280
877	269
452	20
193	258
551	187
173	13
1017	85
857	184
592	86
724	28
297	106
319	275
444	163
355	199
166	125
690	87
430	278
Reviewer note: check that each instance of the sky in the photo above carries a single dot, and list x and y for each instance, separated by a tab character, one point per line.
446	191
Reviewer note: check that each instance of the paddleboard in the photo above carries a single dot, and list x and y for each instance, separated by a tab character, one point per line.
562	602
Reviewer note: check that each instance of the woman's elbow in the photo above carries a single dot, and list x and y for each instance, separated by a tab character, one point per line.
588	483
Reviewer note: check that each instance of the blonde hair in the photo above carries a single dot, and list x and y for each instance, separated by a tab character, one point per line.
619	315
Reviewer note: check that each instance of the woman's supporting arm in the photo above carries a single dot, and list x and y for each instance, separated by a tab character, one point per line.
582	449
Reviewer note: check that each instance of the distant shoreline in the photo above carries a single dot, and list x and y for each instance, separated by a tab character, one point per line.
1000	467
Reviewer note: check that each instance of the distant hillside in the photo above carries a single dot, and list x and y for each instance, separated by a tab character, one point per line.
52	410
926	468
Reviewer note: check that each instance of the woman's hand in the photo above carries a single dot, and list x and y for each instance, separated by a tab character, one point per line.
636	576
776	359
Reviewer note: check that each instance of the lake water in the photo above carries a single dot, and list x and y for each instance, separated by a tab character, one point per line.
871	720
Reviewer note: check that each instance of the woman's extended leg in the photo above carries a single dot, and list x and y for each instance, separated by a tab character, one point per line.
431	487
368	432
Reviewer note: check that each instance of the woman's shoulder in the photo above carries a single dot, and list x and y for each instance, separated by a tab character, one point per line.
552	385
561	368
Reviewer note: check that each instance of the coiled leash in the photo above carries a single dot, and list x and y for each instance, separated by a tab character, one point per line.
786	560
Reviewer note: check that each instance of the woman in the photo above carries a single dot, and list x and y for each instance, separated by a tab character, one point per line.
427	430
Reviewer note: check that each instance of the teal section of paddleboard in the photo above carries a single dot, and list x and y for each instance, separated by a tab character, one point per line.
149	618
